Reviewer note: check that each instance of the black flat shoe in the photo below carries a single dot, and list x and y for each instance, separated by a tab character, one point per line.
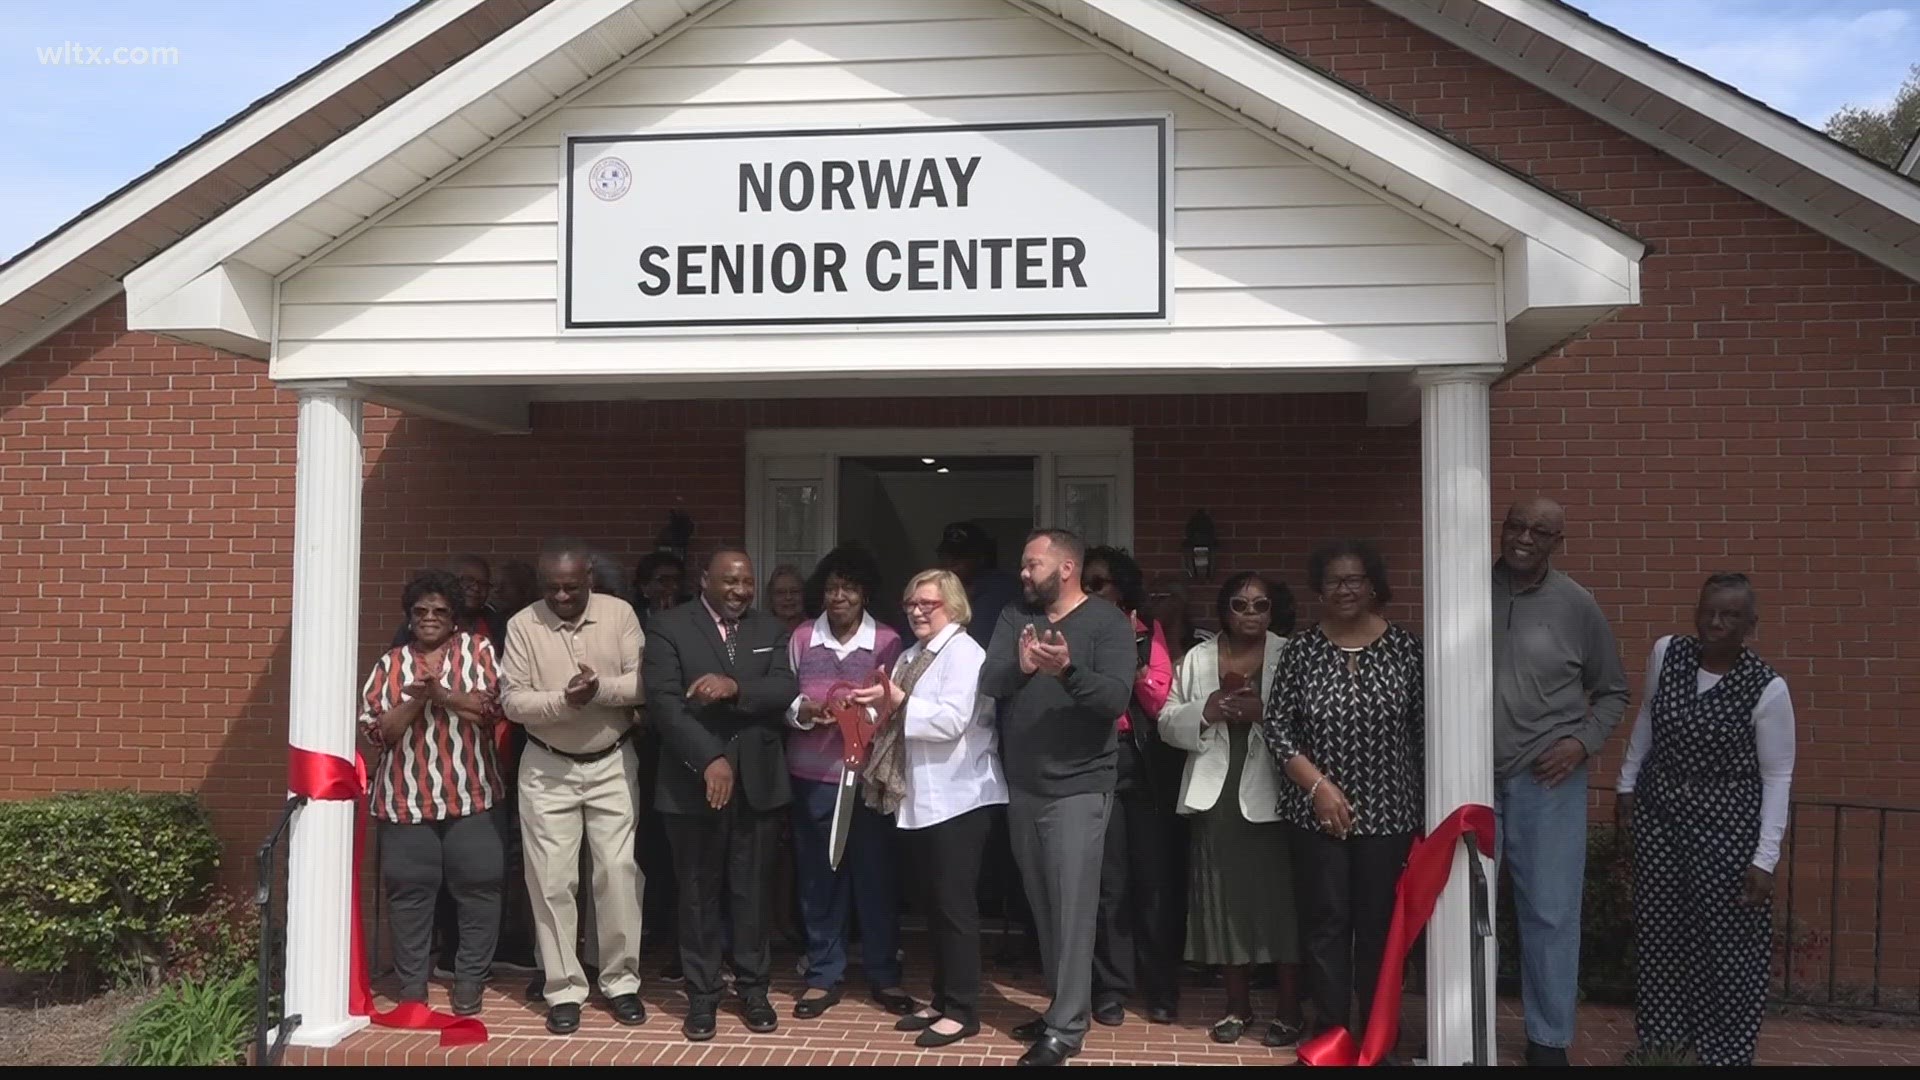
563	1019
916	1021
1162	1014
1112	1014
699	1026
761	1018
1048	1052
537	987
1227	1030
895	1002
1030	1031
629	1009
466	998
930	1039
808	1008
1281	1034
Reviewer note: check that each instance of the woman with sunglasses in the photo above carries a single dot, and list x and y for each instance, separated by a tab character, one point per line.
1346	722
936	767
1240	908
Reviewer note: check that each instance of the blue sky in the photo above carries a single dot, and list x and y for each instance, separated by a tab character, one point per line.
71	133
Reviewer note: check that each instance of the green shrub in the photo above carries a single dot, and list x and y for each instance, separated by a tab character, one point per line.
220	941
190	1022
93	883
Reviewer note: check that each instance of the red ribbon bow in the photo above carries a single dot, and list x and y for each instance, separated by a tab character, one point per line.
1429	865
325	778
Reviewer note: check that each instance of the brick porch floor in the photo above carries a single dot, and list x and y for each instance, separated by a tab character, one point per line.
857	1032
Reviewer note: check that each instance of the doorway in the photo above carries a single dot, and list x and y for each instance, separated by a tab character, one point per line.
896	507
810	489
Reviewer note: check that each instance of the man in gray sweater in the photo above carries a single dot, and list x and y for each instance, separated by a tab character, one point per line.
1061	668
1558	692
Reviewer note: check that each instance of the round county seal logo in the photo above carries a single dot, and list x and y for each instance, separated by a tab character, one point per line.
609	178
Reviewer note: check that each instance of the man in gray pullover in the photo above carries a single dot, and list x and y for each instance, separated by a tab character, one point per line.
1558	692
1061	668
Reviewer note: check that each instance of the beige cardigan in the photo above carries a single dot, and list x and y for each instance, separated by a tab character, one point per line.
1183	725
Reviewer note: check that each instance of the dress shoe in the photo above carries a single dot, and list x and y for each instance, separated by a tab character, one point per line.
466	997
1281	1034
699	1025
916	1021
895	1002
1162	1014
563	1019
931	1039
760	1017
1033	1029
1542	1056
537	987
1112	1014
809	1007
1049	1051
629	1009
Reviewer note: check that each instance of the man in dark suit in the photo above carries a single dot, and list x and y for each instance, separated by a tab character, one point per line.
718	685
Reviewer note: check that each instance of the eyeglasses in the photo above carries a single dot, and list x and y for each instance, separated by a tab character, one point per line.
438	611
1538	532
1353	583
1259	605
924	606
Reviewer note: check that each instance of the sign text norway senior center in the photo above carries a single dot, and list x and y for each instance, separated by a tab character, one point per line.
1012	222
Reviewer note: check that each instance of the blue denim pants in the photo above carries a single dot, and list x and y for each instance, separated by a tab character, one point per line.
1542	837
866	882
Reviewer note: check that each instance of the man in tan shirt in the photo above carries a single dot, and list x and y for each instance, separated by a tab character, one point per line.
571	677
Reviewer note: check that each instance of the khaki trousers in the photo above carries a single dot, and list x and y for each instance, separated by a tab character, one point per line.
561	802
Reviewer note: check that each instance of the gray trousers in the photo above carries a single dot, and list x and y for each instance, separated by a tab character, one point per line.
1059	843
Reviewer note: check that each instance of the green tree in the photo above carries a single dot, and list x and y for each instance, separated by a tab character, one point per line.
1881	134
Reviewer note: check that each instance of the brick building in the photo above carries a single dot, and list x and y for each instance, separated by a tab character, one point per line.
1684	315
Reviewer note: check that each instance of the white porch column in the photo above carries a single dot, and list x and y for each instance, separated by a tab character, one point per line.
323	705
1456	512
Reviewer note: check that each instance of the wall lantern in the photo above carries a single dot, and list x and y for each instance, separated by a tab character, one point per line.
673	536
1201	544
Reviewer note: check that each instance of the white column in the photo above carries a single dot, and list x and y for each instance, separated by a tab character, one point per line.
323	705
1456	513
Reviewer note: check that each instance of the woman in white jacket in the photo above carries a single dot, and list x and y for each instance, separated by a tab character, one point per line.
937	768
1240	904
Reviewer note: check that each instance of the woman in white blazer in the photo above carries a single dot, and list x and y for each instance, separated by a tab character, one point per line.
939	777
1240	905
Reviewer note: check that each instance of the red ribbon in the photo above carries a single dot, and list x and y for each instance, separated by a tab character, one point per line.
1429	865
325	778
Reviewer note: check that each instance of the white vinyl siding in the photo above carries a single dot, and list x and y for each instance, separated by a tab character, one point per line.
1278	262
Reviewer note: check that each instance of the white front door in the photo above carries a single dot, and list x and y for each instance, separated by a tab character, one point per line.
1082	480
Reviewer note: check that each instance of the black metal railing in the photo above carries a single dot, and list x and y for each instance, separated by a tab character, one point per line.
270	995
1835	948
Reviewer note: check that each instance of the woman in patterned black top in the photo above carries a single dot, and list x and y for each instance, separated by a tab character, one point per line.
1345	721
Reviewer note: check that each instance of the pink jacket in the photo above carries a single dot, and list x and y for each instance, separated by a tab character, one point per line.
1155	681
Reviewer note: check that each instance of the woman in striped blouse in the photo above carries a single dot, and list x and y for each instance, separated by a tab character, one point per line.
429	708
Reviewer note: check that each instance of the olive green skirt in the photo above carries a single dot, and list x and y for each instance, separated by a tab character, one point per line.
1240	905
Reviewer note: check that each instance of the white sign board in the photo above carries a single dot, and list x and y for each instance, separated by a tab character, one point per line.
987	223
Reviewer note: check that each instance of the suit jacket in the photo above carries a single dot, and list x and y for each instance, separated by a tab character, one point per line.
1209	746
684	644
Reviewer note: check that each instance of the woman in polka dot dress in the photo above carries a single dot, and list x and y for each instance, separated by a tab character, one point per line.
1704	792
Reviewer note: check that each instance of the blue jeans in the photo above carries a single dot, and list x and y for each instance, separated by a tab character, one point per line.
1542	836
865	881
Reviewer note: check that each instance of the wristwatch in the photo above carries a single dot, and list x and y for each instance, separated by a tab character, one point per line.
1067	672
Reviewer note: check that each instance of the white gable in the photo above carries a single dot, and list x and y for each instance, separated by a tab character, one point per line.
1280	262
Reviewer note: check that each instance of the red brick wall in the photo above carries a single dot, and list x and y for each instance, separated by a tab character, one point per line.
1756	412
